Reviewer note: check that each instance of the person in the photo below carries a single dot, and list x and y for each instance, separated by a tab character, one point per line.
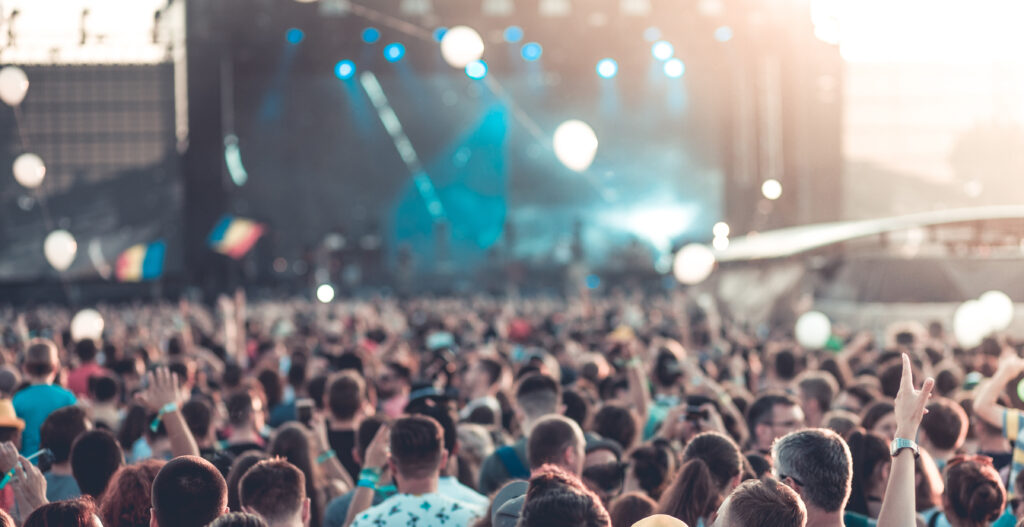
69	513
127	502
449	485
393	388
198	416
537	395
276	491
481	385
817	464
11	426
78	378
652	469
712	465
337	510
986	407
666	376
239	519
104	392
292	442
974	495
556	498
943	430
817	390
870	455
188	492
36	402
58	433
764	503
630	508
772	416
879	418
246	418
238	469
617	423
347	405
416	456
95	457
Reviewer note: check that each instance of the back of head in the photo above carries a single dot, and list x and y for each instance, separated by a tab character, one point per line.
710	461
820	387
945	424
784	362
199	416
60	429
630	508
241	465
652	467
818	461
841	422
95	456
103	388
416	446
868	451
550	438
556	498
345	394
240	409
86	350
577	407
538	395
275	490
188	492
617	423
765	503
874	413
440	412
367	430
974	491
128	503
239	519
69	513
41	357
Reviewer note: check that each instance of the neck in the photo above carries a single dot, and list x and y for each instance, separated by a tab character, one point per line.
417	486
61	469
820	518
40	380
244	435
343	424
293	522
993	444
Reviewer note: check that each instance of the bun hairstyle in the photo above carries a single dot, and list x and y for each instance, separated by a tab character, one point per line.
974	490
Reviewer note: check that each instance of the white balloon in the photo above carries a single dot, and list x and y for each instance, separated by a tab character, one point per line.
998	309
60	248
575	144
29	170
813	329
13	85
693	264
461	45
971	324
86	324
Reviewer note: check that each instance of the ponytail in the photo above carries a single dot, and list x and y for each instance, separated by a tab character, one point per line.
693	495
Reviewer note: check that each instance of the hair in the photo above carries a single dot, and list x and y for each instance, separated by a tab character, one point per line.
491	367
239	519
784	363
949	379
821	387
666	368
133	426
945	423
316	388
890	374
239	407
929	487
766	503
974	491
865	394
95	457
275	489
292	443
538	395
367	430
549	439
630	508
762	410
841	422
238	469
416	445
758	465
86	350
345	394
577	407
67	513
869	451
198	415
652	466
617	423
556	498
6	520
104	388
710	461
272	386
442	413
874	413
821	461
188	492
41	358
60	429
128	502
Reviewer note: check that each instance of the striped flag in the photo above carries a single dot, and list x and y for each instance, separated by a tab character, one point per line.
141	262
234	236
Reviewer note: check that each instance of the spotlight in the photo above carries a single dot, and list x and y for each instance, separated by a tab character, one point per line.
771	189
371	35
394	52
674	68
607	68
663	50
345	69
294	35
476	69
532	51
325	293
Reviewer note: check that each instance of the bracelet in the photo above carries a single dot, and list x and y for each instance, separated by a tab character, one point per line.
369	477
7	478
634	362
167	408
325	456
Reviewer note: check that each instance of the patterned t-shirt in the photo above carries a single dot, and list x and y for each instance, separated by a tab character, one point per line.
424	510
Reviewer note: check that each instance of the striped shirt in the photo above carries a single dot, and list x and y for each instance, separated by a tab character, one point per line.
1013	429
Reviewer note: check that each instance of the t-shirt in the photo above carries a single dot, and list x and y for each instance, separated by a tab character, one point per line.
426	510
237	449
852	519
33	405
61	487
78	378
337	509
450	486
342	442
494	474
1012	426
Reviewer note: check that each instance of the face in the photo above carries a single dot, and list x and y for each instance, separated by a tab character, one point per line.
785	419
388	384
886	427
848	402
476	379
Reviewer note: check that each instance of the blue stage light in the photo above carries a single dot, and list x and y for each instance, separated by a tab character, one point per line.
607	68
663	50
439	33
674	68
294	35
513	34
476	69
345	69
532	51
723	34
371	35
394	52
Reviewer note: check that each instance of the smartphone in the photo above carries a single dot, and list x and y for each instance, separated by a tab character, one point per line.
304	411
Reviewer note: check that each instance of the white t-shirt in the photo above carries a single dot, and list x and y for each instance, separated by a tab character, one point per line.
450	486
424	510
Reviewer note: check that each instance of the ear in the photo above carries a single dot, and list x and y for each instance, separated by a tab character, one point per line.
305	512
391	465
444	459
736	481
356	457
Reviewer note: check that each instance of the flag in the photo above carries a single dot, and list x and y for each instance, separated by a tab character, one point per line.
141	262
234	236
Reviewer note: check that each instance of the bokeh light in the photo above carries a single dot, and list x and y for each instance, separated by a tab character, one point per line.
723	34
607	68
371	35
663	50
674	68
771	189
345	69
693	264
294	35
575	144
721	229
461	45
532	51
394	52
325	293
476	69
513	34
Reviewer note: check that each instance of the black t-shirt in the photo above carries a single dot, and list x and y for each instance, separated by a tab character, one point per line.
342	442
238	449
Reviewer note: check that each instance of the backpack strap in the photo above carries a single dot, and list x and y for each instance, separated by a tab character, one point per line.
513	465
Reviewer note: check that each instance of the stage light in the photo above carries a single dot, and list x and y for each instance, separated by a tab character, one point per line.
693	264
345	69
532	51
394	52
87	324
674	68
439	33
29	170
607	68
651	34
720	243
476	70
325	293
461	45
663	50
723	34
771	189
575	144
294	35
513	34
371	35
721	229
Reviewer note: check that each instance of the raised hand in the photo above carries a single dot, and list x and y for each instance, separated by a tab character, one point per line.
29	487
162	389
910	403
377	451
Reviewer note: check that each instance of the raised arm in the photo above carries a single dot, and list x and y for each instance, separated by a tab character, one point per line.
164	396
986	404
374	465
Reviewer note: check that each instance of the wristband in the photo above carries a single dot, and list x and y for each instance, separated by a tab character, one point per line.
369	477
634	362
387	491
167	408
7	478
325	456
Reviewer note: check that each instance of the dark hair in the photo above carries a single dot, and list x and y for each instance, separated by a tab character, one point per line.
345	394
239	519
538	394
316	389
820	460
133	426
945	423
549	438
239	407
274	488
821	387
128	502
948	380
188	492
785	364
441	413
298	369
666	368
653	466
181	369
198	415
616	423
271	381
367	430
766	503
840	371
974	490
576	407
292	442
60	430
762	411
67	513
86	350
95	457
890	374
491	367
875	412
232	376
710	461
242	463
868	451
630	508
401	371
103	387
556	498
39	357
416	444
759	464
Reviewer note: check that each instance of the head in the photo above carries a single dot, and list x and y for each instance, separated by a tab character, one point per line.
293	443
86	350
617	423
41	360
974	492
556	498
712	464
944	426
773	416
345	396
238	469
80	512
483	377
818	465
60	429
396	379
577	407
630	508
855	398
199	416
127	504
840	421
417	449
667	371
104	389
871	462
765	503
239	519
537	395
275	490
95	457
188	492
817	390
273	386
556	440
880	418
245	411
653	467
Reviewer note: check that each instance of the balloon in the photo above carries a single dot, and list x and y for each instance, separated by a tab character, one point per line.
998	309
813	329
60	248
86	324
971	324
461	45
29	170
13	85
694	263
575	144
325	293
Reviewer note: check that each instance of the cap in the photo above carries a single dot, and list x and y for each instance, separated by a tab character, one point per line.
7	416
510	495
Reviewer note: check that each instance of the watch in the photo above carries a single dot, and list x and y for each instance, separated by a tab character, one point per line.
900	443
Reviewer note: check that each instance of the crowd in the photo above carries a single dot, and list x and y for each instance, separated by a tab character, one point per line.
479	411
